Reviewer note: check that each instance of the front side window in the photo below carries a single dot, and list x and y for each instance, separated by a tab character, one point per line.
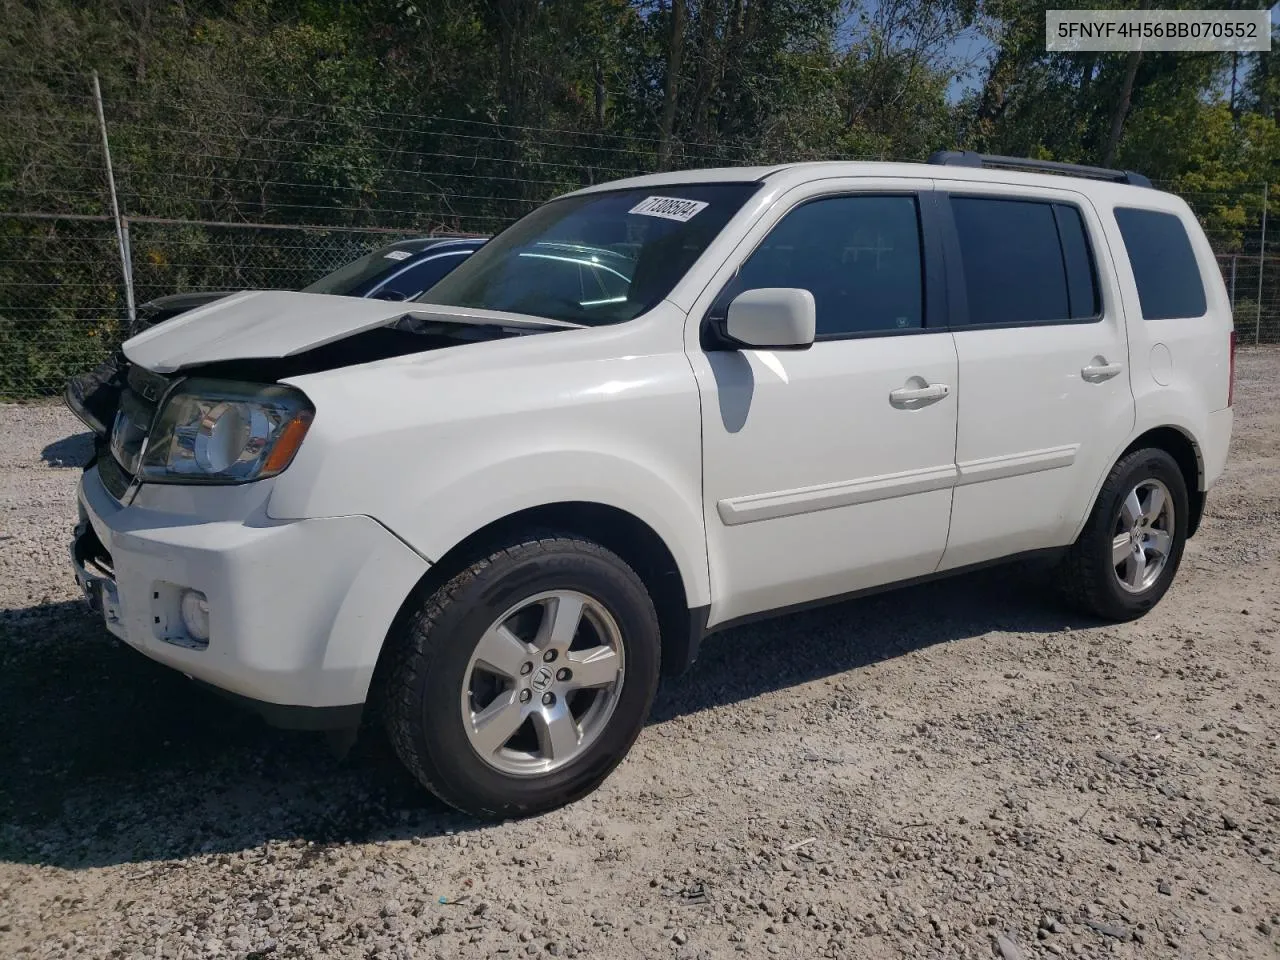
1024	261
595	258
858	255
1164	265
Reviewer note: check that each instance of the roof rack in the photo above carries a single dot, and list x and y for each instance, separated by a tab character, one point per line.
970	158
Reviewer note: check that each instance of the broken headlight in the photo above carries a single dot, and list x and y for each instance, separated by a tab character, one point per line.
222	431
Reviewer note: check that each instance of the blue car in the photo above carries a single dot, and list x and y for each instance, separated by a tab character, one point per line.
401	271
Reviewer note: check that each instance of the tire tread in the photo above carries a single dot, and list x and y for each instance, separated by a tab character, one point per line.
1079	581
409	649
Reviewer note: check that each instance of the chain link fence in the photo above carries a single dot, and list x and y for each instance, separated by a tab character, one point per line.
1254	288
1239	226
63	300
217	215
171	256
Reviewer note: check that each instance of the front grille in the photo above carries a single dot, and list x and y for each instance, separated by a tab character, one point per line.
113	476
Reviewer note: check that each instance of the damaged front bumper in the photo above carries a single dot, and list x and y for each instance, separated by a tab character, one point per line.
96	581
297	610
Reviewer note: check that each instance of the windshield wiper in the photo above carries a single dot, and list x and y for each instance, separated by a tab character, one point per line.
433	323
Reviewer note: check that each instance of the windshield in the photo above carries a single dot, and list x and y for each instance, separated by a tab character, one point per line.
597	258
358	272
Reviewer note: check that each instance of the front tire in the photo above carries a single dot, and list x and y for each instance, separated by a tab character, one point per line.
523	681
1126	557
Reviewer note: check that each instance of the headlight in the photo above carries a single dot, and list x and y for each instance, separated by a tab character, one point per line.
221	431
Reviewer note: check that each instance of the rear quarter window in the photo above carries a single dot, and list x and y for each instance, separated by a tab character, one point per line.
1164	264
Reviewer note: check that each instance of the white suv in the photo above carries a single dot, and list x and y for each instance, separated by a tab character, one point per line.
649	410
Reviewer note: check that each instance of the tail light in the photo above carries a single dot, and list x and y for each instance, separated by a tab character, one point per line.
1231	381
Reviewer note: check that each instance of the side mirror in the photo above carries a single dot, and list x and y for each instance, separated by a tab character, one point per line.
393	295
772	318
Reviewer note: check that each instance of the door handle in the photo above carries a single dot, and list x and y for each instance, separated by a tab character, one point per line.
910	398
1097	372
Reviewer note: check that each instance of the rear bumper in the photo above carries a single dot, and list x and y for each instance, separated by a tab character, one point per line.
298	610
1214	445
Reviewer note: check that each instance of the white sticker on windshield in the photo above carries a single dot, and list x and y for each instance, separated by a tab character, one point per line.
397	254
669	208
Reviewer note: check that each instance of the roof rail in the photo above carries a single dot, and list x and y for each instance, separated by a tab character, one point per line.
970	158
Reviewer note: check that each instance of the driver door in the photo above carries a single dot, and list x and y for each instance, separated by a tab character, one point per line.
830	470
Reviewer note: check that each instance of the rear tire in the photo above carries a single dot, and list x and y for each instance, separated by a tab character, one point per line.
523	681
1128	553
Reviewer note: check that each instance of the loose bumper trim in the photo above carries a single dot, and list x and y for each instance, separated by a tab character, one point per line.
284	716
99	588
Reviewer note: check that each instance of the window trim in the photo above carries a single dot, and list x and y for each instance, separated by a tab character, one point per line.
958	287
933	301
432	256
1091	261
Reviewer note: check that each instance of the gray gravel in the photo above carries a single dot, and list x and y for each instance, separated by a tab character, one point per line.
955	770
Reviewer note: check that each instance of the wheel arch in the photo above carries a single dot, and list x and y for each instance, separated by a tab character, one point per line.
1186	453
613	528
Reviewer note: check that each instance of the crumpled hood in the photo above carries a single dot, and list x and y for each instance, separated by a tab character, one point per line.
267	324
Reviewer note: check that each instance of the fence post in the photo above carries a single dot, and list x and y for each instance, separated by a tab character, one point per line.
1234	258
1262	262
122	226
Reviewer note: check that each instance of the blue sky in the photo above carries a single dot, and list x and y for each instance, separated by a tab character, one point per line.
972	48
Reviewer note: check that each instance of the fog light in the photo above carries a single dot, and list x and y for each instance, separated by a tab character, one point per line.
195	614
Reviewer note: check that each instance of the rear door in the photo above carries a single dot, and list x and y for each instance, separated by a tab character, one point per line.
1044	367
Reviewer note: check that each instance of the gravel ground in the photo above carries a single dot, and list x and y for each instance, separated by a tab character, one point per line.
954	770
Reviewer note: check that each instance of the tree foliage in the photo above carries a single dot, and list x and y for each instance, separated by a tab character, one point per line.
256	108
461	114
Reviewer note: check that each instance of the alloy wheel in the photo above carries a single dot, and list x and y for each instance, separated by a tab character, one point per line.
542	683
1143	536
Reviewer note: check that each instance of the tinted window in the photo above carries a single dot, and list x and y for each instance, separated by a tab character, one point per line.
626	250
1164	265
1024	261
1082	287
358	273
858	256
423	276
